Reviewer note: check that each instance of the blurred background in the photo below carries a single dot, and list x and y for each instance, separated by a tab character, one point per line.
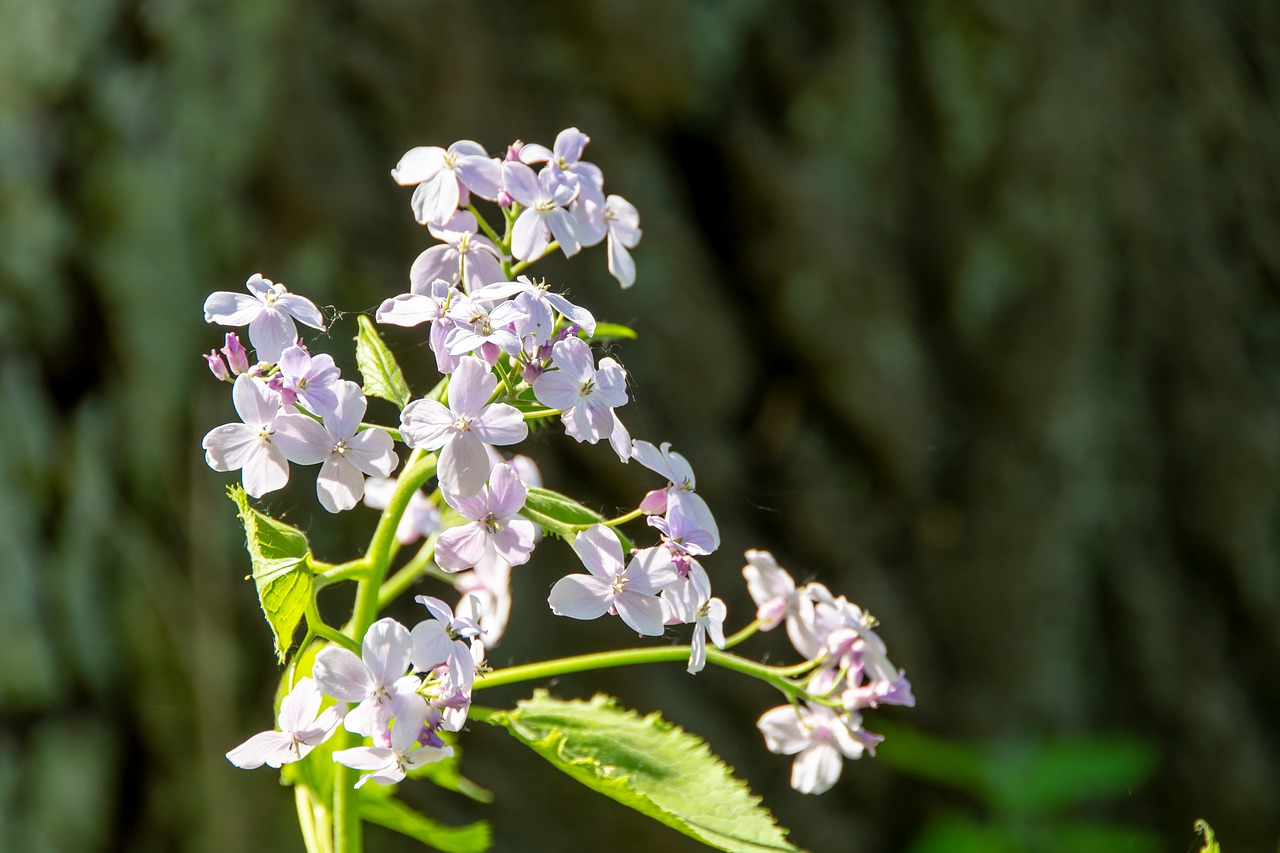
969	310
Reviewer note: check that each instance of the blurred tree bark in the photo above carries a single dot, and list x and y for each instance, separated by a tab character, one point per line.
970	310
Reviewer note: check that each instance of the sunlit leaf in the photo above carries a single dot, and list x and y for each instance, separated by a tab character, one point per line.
562	516
278	553
382	376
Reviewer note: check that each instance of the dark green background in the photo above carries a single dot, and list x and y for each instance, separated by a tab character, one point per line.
970	310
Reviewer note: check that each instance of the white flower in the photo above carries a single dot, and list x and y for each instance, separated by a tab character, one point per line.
819	738
303	727
376	680
269	312
390	764
632	593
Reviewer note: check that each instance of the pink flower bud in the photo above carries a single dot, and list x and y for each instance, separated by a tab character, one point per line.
654	503
513	151
505	199
236	356
217	366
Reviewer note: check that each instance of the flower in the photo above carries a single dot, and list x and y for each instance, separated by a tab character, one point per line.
462	430
444	177
495	529
545	198
442	641
263	445
465	257
680	486
303	727
776	598
585	395
390	764
631	593
818	736
376	680
308	379
269	312
623	224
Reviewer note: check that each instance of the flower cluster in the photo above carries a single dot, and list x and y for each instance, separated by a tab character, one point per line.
510	350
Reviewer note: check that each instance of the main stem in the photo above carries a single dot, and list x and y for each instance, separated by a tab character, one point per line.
347	837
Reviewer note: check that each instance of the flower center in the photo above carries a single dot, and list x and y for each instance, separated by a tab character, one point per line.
588	388
619	584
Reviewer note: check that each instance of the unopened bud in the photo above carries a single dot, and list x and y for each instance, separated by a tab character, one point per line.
236	356
505	199
513	151
217	366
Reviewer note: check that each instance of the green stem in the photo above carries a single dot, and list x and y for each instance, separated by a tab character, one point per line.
421	564
542	413
742	635
317	626
348	571
776	676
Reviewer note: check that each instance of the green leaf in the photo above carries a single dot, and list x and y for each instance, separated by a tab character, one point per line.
382	376
649	765
447	775
396	816
278	553
612	331
562	516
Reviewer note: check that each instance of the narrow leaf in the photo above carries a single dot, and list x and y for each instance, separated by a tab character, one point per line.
382	376
278	553
649	765
562	516
396	816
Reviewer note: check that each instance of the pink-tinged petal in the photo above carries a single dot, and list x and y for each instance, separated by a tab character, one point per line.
373	452
783	731
569	144
699	516
576	314
270	748
651	570
367	758
642	612
530	236
462	547
230	446
464	465
500	424
340	484
817	768
232	309
521	183
342	675
600	551
386	650
482	267
514	542
427	424
441	611
573	357
255	403
437	262
588	219
471	386
557	389
506	493
301	309
480	174
532	152
418	165
579	424
271	333
265	471
565	229
344	420
431	645
473	507
298	710
621	265
407	309
580	597
302	440
611	384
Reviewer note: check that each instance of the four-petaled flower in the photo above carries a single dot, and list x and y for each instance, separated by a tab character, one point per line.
631	592
303	727
495	528
269	312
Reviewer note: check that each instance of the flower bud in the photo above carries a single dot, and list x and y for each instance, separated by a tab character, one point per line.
505	199
236	356
513	151
654	503
217	366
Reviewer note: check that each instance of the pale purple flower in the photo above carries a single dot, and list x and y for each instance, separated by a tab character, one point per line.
680	487
682	530
566	166
376	680
475	326
818	736
688	599
311	380
420	517
495	525
442	642
486	596
262	446
777	598
425	303
540	306
348	453
303	727
465	257
623	224
585	395
461	430
444	177
269	311
390	764
631	593
545	199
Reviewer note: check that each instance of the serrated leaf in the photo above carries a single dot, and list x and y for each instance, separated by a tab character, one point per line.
382	376
650	765
398	817
564	517
278	553
612	331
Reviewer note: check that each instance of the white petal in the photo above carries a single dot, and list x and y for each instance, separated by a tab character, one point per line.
342	675
817	768
642	612
271	748
580	597
265	471
386	650
231	309
339	485
418	165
